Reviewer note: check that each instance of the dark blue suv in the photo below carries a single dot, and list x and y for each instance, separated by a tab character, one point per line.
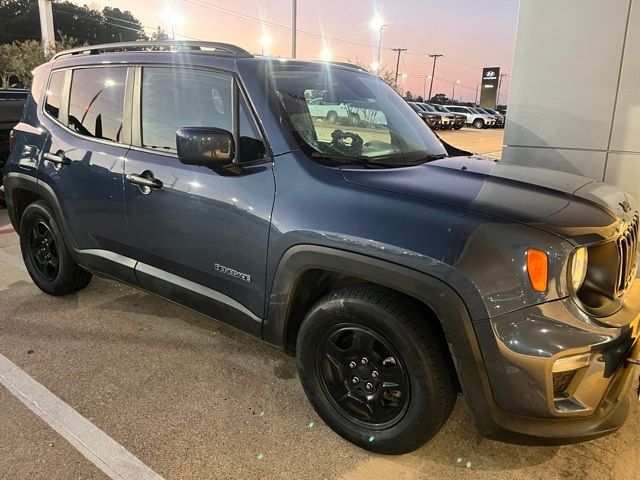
399	270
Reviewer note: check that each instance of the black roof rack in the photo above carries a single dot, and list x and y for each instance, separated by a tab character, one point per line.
215	48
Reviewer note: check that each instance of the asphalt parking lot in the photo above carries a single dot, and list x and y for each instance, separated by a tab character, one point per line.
191	398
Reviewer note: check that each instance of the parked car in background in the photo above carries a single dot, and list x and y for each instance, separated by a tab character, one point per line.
460	119
400	272
11	105
497	113
476	119
447	120
431	119
498	118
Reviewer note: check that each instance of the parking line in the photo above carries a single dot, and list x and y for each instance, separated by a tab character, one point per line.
96	446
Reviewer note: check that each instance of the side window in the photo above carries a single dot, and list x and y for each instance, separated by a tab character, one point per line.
54	94
96	102
252	146
174	98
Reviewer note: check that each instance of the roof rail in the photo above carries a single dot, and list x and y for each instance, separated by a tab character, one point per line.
215	48
350	65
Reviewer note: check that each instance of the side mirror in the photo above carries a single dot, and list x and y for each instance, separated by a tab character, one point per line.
206	146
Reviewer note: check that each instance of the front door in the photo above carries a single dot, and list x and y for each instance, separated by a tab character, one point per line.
196	227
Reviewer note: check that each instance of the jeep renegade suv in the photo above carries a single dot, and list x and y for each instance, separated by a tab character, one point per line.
398	270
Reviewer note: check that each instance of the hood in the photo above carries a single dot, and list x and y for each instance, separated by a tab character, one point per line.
571	206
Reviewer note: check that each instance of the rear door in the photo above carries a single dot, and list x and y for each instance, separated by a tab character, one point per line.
202	228
83	159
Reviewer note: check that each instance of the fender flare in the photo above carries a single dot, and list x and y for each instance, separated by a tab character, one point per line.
30	183
437	295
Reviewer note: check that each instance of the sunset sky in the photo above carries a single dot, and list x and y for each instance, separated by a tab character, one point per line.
470	33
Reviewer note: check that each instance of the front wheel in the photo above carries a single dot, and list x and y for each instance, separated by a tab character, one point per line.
373	369
478	123
46	255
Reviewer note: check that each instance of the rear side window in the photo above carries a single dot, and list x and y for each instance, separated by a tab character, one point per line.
96	102
54	94
175	98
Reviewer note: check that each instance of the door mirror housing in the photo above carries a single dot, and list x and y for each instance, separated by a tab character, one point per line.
206	146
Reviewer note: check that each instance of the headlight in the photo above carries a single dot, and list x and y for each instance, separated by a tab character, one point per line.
578	268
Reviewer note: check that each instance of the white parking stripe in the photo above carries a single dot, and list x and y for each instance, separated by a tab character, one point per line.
97	447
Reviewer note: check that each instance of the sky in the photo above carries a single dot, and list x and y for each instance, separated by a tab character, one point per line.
471	34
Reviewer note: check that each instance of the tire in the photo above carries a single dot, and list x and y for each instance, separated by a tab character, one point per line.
458	127
46	255
401	351
332	117
354	119
478	123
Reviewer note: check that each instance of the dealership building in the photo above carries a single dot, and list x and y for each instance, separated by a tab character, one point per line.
574	102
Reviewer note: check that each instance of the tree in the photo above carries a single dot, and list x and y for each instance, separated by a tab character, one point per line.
159	35
440	98
419	99
408	96
19	20
18	59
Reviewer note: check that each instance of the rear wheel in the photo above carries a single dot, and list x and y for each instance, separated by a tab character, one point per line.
373	369
45	254
332	117
478	123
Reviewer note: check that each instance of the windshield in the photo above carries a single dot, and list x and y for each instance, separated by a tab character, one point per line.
428	107
342	115
441	109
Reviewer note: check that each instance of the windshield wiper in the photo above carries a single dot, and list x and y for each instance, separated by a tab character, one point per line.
359	159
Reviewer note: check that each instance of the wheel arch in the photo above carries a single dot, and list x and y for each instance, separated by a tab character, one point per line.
22	190
304	265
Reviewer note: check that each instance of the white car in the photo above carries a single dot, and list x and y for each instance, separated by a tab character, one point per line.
327	110
478	120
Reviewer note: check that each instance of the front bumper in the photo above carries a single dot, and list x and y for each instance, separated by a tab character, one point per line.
519	351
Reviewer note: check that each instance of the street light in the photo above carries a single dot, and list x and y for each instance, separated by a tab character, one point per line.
453	93
174	18
424	90
377	23
326	55
265	41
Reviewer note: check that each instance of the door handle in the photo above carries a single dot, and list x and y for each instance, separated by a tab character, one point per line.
57	158
145	180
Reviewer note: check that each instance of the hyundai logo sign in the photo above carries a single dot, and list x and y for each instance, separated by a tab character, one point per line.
491	73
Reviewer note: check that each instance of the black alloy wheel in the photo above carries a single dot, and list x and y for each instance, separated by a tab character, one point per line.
373	369
44	251
363	375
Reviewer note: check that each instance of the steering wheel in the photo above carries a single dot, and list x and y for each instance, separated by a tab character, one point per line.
337	142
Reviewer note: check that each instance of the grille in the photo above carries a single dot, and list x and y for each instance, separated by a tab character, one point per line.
627	251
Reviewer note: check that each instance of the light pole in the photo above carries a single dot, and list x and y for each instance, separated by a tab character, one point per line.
173	18
404	77
294	21
476	102
424	89
453	92
377	23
